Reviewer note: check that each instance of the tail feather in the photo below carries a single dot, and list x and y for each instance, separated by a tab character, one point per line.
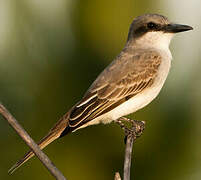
54	133
42	144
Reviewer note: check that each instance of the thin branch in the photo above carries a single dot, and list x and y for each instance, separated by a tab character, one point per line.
133	134
128	156
29	141
130	136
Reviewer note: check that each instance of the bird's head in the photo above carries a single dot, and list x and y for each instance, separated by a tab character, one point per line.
154	30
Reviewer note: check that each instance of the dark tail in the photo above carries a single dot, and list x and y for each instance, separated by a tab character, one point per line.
54	133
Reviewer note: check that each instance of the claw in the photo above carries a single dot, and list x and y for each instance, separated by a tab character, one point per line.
136	129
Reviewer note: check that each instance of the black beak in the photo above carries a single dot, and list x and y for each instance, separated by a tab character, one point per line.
175	28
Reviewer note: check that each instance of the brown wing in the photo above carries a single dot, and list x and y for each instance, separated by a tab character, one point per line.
123	79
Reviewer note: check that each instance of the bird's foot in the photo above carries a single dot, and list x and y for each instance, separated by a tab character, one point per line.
136	129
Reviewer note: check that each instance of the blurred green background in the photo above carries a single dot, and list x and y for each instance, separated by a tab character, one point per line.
50	53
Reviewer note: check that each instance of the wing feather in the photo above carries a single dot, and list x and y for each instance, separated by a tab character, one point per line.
123	79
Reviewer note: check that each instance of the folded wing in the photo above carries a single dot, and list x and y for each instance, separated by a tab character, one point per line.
123	79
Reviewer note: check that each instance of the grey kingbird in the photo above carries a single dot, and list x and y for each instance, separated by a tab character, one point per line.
130	82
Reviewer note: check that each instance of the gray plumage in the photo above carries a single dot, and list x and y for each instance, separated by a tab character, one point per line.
129	83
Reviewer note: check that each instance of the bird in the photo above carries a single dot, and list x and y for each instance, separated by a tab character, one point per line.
130	82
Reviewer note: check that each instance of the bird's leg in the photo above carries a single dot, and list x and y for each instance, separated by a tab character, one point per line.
135	130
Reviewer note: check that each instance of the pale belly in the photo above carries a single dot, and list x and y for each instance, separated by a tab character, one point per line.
137	102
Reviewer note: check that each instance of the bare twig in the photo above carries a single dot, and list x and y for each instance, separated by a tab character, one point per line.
127	158
131	135
29	141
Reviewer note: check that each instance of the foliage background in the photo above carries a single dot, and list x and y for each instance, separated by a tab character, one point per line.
51	51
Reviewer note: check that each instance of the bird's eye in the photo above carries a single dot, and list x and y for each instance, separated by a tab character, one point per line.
151	25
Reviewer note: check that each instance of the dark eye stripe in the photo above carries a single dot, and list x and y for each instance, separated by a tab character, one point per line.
151	26
140	31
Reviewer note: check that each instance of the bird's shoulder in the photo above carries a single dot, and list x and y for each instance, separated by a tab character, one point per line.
128	65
